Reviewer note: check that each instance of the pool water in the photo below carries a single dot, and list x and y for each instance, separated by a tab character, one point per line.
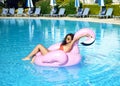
100	65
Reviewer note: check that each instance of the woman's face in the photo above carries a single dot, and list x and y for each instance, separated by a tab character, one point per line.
68	39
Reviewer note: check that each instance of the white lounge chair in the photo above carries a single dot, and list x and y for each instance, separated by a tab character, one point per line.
108	13
78	14
85	12
60	13
20	12
11	12
4	12
37	12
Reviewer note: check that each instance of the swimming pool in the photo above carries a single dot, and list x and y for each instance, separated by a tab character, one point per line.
100	61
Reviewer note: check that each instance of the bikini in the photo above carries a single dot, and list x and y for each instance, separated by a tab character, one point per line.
61	48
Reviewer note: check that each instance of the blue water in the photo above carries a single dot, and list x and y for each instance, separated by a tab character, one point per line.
100	65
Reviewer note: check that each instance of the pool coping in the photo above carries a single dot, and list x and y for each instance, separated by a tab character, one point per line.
88	19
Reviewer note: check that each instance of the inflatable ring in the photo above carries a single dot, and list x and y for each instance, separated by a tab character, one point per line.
59	58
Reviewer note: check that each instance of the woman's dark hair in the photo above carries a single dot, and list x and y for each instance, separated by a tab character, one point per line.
64	41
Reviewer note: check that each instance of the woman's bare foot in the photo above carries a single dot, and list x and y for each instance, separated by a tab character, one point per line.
26	58
32	61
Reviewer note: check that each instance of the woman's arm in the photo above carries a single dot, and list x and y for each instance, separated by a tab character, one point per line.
69	46
77	38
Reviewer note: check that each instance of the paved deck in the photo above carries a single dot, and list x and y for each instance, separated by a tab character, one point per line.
109	20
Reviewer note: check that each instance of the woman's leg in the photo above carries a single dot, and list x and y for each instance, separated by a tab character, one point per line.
40	48
32	61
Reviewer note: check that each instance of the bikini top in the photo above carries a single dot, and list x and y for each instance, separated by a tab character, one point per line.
61	47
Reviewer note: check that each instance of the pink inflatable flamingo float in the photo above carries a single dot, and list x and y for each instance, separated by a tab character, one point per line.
58	58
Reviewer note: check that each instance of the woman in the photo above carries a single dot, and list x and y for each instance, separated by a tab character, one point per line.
66	46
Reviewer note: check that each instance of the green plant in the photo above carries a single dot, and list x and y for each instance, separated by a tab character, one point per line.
1	4
45	6
116	9
70	7
59	2
94	9
108	1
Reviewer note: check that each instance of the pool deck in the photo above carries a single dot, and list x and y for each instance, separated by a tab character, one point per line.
109	20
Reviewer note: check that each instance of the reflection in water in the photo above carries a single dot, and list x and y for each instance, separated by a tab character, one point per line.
32	25
77	27
86	25
107	37
55	74
20	22
46	33
37	22
62	22
31	30
62	27
13	22
53	28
